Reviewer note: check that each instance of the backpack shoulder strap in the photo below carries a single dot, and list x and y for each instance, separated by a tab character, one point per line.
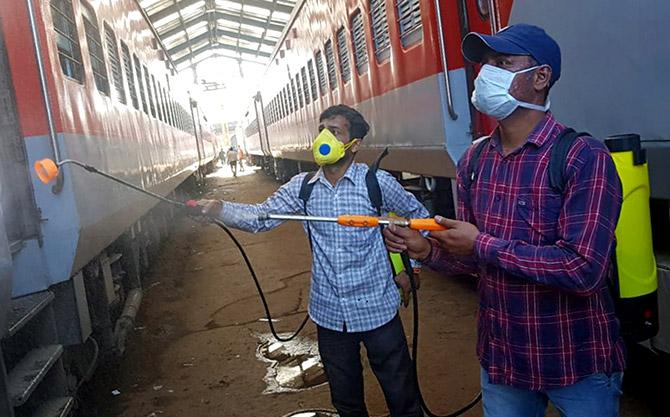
559	158
473	165
372	183
306	189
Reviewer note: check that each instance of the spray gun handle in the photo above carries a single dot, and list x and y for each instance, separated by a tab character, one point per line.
358	221
426	224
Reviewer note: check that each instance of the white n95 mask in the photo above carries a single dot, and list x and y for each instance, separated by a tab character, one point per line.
492	97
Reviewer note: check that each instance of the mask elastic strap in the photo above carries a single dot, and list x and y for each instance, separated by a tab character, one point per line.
533	106
350	144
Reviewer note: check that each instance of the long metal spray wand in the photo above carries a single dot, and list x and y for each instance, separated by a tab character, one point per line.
360	221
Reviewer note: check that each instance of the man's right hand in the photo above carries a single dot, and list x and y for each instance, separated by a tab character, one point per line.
210	207
399	239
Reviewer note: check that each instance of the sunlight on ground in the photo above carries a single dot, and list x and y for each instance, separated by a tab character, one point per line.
225	172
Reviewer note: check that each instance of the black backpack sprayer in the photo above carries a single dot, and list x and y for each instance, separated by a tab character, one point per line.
48	171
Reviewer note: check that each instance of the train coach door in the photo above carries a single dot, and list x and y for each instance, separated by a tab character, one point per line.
262	127
21	219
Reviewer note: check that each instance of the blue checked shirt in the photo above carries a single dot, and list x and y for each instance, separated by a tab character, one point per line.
352	281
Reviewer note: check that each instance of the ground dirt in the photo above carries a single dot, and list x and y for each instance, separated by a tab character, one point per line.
193	352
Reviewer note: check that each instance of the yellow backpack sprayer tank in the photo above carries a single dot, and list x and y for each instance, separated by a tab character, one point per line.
635	292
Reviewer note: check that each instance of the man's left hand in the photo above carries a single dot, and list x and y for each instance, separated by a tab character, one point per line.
459	238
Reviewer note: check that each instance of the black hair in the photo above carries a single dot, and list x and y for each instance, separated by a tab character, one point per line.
358	127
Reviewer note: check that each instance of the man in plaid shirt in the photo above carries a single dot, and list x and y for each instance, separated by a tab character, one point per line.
547	327
353	297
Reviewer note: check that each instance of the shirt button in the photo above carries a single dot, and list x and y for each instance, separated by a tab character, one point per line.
498	197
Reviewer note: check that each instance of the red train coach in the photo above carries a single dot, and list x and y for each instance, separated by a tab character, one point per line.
388	59
87	80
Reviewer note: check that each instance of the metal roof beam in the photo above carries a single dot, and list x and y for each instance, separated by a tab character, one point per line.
264	4
219	32
219	46
221	16
188	44
220	55
205	35
248	38
247	21
171	9
180	5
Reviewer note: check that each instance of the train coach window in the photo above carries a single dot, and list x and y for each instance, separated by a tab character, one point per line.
360	46
380	30
114	63
150	93
287	109
319	72
312	80
409	19
159	99
294	96
301	100
67	38
305	85
130	78
330	64
343	53
95	48
138	72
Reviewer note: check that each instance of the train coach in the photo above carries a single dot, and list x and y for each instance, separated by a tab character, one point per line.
399	62
89	81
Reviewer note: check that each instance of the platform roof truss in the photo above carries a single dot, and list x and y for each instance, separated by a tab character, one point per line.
193	30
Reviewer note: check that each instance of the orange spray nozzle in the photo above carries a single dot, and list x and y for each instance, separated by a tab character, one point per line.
46	170
358	221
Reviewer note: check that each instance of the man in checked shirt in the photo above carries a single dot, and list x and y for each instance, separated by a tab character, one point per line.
353	297
546	325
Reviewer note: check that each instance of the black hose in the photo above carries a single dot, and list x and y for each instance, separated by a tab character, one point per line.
415	346
258	285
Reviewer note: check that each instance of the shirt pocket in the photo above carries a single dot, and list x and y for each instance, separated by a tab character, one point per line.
538	218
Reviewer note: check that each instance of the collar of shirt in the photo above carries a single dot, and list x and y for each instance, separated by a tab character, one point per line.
351	174
538	136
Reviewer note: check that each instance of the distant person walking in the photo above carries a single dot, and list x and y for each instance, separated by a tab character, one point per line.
240	158
232	160
222	156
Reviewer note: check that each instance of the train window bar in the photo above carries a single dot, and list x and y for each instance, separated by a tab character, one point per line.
409	21
380	30
312	79
301	100
150	94
138	73
343	52
330	64
360	45
69	52
130	77
305	85
318	58
114	63
95	48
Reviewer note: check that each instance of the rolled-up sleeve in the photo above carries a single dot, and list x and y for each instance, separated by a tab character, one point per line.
246	216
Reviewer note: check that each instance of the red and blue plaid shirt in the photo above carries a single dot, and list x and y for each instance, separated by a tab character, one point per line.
546	318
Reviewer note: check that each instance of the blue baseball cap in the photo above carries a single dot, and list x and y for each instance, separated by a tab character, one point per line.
519	39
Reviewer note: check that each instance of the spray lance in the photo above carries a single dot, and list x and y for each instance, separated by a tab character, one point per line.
48	171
